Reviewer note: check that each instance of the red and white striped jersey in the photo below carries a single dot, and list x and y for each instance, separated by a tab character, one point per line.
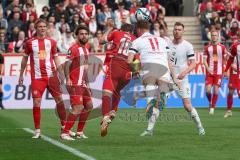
78	55
235	53
41	52
215	55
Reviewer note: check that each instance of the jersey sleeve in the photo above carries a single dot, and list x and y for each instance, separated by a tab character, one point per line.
190	52
134	48
54	48
70	54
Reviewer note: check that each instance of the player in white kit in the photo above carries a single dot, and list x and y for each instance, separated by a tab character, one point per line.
155	67
183	61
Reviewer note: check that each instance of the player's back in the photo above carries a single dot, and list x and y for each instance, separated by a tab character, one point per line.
121	41
152	49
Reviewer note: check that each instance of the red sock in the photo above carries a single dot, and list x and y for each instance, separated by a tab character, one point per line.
214	100
106	103
229	101
61	113
36	116
82	120
209	97
115	101
70	122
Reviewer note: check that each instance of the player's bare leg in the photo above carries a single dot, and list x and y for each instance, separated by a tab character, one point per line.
1	96
37	117
214	99
209	97
194	115
229	103
72	117
82	120
106	105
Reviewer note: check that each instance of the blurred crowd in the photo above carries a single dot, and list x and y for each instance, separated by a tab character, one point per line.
17	19
221	15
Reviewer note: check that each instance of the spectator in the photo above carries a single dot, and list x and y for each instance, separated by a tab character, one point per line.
18	45
75	22
97	43
14	4
109	25
92	25
119	14
162	22
89	11
15	22
63	29
31	30
3	22
215	18
14	34
46	13
66	42
219	7
29	10
234	30
3	43
227	22
53	32
52	19
156	29
154	7
61	22
103	16
228	9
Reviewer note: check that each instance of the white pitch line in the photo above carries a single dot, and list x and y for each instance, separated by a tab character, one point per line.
61	145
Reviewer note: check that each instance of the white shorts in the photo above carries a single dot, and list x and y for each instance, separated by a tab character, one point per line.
184	91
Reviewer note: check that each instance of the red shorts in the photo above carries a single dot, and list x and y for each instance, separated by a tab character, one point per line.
214	80
39	86
79	95
234	82
116	77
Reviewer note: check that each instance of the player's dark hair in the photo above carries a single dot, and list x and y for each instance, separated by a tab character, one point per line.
179	24
81	27
142	24
127	28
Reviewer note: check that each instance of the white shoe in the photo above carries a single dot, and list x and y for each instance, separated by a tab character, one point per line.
37	134
67	137
146	133
112	114
81	135
104	125
72	134
228	114
211	111
201	131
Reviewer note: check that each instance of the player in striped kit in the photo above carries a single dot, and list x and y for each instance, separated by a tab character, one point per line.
43	59
214	60
76	71
234	80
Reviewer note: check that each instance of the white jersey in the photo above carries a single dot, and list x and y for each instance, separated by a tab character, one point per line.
152	49
180	54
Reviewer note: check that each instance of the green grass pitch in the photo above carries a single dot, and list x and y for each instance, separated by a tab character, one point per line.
175	137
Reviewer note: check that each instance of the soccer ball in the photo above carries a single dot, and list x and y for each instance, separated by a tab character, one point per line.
142	14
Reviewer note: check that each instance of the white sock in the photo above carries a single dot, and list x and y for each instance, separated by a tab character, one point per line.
195	117
150	92
152	120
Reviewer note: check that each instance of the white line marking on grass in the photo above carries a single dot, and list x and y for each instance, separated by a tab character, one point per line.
61	145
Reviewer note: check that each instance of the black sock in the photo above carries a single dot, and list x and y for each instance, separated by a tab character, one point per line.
1	97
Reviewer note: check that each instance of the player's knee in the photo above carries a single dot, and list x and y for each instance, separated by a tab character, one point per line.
37	102
89	107
77	109
58	100
107	93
